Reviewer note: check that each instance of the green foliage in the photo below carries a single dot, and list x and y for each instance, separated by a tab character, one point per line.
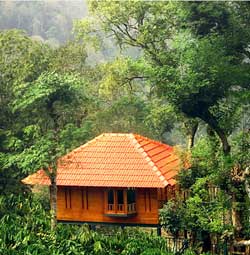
69	58
216	17
134	114
124	76
241	148
21	58
36	104
191	63
49	89
55	103
207	161
206	209
186	54
126	114
203	213
26	230
160	118
171	217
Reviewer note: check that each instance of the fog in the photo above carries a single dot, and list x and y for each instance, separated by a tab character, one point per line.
49	21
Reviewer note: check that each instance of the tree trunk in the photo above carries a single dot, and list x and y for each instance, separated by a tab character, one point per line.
212	122
235	215
224	141
53	202
53	174
206	242
191	135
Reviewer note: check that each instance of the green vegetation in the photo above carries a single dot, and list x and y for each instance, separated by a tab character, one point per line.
181	76
25	229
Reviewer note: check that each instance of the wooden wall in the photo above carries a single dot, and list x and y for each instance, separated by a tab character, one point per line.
165	194
87	204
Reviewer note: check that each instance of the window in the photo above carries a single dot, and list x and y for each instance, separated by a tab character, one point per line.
120	201
120	197
131	196
131	200
111	196
111	200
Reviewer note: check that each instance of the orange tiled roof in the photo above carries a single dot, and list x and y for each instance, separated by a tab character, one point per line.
115	160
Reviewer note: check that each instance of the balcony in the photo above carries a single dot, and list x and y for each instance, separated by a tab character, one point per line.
119	202
121	210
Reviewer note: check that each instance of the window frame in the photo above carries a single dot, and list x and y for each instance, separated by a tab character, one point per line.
122	208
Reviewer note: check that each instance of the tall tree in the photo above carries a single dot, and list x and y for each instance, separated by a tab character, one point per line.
54	100
195	51
21	60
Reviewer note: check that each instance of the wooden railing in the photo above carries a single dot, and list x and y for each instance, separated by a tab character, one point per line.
111	207
131	207
120	208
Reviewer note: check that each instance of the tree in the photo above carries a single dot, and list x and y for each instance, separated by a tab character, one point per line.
196	69
171	218
38	122
21	60
124	102
219	200
70	57
54	101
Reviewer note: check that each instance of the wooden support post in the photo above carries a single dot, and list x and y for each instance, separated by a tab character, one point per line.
159	230
93	227
115	201
125	197
105	200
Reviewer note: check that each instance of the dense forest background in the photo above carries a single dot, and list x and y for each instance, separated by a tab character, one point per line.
48	21
177	72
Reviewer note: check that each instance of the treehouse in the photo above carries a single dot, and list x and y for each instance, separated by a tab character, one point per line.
116	179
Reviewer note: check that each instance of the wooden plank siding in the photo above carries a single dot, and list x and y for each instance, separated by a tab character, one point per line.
165	194
87	204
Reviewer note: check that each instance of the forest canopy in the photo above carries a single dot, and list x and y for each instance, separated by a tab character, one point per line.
177	72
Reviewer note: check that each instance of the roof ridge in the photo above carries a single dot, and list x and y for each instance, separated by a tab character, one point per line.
152	140
135	135
115	134
153	166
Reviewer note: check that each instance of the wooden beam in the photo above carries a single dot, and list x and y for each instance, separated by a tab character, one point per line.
125	200
115	201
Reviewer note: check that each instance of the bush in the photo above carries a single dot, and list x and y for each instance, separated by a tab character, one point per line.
25	229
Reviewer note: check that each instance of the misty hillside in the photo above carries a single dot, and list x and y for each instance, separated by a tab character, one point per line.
48	20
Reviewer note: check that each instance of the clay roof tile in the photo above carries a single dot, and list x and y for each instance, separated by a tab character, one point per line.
115	160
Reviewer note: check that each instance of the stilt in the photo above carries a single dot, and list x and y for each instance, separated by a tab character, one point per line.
92	227
159	230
